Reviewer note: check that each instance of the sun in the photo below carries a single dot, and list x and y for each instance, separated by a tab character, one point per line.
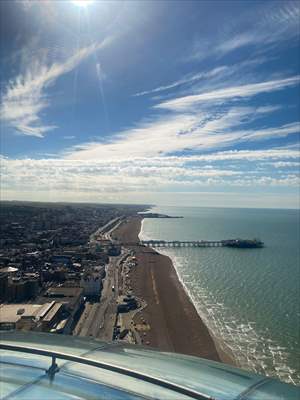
82	3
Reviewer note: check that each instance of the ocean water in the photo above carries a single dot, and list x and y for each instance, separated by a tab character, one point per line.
248	298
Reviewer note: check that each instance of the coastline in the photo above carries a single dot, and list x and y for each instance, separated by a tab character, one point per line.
170	319
225	356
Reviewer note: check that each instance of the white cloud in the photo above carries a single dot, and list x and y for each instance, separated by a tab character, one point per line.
249	155
85	180
218	71
25	97
210	79
233	92
268	133
236	42
286	164
92	176
181	132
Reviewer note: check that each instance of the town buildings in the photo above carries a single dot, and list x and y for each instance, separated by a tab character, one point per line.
50	263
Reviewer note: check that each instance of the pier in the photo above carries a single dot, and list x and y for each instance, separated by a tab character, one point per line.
238	243
177	243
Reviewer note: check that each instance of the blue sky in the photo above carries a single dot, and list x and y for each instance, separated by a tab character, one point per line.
176	102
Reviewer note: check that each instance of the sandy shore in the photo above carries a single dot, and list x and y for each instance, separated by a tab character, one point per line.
172	318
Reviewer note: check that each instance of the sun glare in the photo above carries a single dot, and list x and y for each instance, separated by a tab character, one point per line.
82	3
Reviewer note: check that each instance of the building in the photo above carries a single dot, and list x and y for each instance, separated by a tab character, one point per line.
91	283
38	317
21	288
52	316
72	300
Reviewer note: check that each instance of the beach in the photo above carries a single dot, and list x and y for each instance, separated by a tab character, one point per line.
172	321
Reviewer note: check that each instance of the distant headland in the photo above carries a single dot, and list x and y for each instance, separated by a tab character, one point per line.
156	215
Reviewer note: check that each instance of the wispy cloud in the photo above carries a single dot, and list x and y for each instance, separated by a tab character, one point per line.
236	42
233	92
206	80
273	26
268	133
69	137
184	132
286	16
25	97
188	79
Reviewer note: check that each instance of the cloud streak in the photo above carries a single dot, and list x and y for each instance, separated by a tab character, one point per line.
184	133
25	97
273	26
188	80
233	92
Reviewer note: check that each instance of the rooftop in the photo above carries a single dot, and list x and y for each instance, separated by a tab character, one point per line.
11	313
63	291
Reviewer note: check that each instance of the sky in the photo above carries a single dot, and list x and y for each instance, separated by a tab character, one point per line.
190	103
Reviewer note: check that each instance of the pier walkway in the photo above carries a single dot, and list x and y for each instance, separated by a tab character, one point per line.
203	243
176	243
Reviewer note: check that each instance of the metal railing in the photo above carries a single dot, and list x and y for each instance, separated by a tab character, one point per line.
53	369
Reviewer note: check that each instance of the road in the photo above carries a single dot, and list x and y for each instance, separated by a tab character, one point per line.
98	319
106	230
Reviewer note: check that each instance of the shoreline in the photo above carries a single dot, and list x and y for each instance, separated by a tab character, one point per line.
170	321
224	355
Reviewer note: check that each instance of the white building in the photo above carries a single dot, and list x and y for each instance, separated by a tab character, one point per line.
91	282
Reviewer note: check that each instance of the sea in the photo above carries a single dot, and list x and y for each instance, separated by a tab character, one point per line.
248	298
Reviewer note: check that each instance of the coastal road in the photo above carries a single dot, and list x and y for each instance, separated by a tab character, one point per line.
98	319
